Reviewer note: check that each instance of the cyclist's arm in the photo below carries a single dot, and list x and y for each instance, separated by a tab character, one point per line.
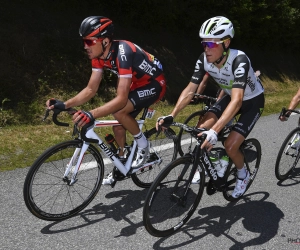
221	94
88	92
202	84
118	102
185	98
188	93
293	104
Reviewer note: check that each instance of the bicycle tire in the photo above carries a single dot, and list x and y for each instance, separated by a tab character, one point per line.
185	141
252	149
164	147
48	196
165	210
287	157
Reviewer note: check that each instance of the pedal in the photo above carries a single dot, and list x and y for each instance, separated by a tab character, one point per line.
113	184
210	190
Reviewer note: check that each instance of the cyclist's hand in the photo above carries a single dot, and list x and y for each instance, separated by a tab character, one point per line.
82	118
53	103
164	122
284	115
283	118
211	139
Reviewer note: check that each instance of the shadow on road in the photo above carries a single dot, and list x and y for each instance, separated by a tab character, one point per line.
128	202
293	179
257	216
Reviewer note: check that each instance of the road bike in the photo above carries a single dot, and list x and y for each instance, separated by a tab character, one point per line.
172	198
289	153
66	177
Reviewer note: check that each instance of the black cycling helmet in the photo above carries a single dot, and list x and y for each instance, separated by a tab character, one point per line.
96	26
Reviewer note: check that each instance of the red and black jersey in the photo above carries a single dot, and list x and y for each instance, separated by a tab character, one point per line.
127	59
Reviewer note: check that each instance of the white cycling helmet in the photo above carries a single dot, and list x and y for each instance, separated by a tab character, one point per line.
217	27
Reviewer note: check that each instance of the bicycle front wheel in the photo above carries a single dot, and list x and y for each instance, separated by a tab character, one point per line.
252	155
172	199
185	141
288	155
162	151
49	195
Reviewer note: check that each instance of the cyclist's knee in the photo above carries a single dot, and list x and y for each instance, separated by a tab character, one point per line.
233	143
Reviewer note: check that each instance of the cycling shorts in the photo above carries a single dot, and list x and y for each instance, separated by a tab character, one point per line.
147	95
249	113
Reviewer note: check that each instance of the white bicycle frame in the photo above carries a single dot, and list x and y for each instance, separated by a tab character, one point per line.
124	169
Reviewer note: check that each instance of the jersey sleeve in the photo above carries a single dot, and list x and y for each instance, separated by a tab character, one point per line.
199	71
240	69
97	65
124	59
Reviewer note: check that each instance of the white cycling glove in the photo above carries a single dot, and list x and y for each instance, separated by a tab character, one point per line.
211	136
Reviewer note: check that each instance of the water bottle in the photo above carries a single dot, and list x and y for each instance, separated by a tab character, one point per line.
112	143
220	160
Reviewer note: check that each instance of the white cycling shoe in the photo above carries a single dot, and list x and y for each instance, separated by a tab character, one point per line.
108	180
141	156
240	186
196	178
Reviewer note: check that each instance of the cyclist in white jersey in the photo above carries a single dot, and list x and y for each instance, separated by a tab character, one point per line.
232	70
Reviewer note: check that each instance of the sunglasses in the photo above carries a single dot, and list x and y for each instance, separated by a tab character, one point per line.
91	42
211	45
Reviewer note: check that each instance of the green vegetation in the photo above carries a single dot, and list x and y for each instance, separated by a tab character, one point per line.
21	145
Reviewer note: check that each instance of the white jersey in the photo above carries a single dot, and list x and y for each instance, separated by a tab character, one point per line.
236	72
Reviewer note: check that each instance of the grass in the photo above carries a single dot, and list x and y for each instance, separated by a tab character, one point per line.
21	145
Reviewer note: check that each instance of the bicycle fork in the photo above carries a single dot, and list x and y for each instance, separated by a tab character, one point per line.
182	200
75	160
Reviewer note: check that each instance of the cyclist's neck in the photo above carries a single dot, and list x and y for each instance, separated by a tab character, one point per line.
223	61
106	53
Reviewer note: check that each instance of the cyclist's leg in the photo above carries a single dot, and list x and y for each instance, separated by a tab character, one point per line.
250	112
138	99
123	116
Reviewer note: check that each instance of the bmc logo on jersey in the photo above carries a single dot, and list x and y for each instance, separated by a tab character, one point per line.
122	52
240	71
146	92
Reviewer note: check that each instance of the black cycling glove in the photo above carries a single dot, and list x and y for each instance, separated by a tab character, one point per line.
57	104
168	120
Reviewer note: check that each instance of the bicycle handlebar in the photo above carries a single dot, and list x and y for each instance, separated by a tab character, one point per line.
56	112
71	111
192	130
206	97
83	133
207	100
284	110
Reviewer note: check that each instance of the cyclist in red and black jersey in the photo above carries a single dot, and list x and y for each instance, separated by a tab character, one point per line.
141	83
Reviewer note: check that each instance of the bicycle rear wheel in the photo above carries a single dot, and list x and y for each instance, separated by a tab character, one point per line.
51	197
288	155
163	150
172	199
252	155
185	141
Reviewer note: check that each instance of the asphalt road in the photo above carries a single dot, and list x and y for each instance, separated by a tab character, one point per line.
266	218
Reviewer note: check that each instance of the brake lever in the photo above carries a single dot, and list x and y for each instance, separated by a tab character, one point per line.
158	131
46	114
